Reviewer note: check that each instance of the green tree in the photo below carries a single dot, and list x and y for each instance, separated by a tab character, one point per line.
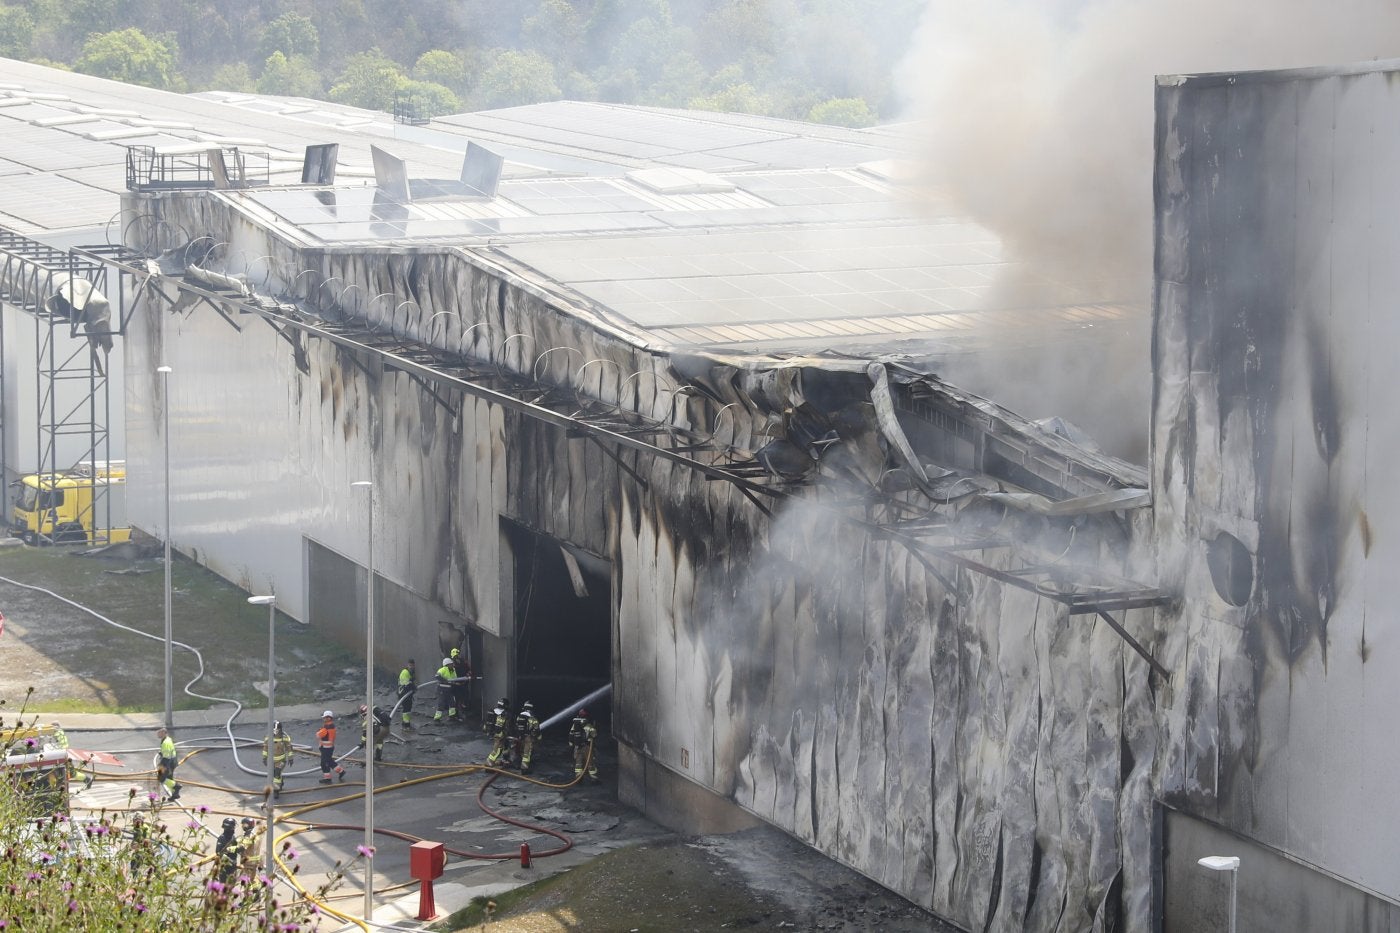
429	99
289	77
513	78
16	32
842	111
291	34
736	98
235	77
131	56
440	66
369	80
555	30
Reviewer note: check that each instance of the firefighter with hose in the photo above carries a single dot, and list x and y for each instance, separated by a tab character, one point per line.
582	735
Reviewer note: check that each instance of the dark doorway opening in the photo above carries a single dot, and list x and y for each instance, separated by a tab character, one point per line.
563	613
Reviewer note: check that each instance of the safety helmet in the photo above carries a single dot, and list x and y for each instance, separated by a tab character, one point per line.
328	715
277	727
247	822
229	824
503	701
583	714
446	662
527	705
362	709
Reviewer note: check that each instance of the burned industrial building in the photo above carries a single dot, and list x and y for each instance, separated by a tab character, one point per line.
654	401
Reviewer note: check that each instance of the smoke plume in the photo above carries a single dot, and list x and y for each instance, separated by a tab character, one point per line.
1038	122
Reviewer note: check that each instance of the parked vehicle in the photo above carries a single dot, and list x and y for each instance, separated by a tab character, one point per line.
84	505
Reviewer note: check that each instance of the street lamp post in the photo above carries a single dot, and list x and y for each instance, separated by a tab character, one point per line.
368	486
270	602
1230	863
169	686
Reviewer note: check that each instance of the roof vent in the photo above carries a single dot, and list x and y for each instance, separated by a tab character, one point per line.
679	181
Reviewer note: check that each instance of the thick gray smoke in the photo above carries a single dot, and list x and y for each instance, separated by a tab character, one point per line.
1039	123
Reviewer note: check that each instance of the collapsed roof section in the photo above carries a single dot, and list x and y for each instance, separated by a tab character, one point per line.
952	476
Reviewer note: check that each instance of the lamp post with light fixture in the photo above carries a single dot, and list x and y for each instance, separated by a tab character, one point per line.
169	635
270	601
1230	863
368	486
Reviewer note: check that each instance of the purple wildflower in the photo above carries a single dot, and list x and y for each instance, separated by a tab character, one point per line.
366	851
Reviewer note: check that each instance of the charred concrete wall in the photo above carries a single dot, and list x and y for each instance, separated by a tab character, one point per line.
1275	447
962	740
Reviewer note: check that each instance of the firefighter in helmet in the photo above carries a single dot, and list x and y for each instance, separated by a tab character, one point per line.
281	747
527	730
582	735
227	853
497	726
248	842
380	716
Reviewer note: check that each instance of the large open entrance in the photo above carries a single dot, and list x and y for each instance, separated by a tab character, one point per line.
563	622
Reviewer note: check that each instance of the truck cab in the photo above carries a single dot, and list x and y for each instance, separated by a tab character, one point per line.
84	505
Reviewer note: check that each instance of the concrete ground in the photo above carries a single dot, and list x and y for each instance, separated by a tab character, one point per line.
414	798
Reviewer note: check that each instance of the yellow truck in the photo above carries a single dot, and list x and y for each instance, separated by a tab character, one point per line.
84	505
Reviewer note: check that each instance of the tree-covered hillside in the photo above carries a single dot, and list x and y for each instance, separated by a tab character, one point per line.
825	60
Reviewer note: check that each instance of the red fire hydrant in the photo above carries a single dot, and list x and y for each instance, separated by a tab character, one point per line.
425	863
524	855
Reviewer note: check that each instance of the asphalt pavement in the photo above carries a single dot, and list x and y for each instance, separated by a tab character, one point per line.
429	786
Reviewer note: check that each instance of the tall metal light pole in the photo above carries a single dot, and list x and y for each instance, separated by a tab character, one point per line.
1230	863
271	603
169	686
368	486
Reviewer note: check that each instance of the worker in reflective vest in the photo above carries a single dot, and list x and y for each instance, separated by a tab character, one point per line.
166	761
462	684
447	697
325	742
408	686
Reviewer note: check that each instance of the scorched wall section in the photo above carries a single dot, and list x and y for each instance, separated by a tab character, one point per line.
1275	447
963	741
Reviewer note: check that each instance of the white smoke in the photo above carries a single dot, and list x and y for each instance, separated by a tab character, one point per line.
1039	115
1038	122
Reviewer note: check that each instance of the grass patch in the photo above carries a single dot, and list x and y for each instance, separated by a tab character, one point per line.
87	665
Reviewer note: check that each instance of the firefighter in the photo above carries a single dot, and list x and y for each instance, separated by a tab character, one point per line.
248	843
408	686
141	848
381	729
325	741
462	684
166	761
527	731
281	744
447	699
228	853
498	727
582	735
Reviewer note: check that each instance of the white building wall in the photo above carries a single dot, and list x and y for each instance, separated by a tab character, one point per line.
1274	422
